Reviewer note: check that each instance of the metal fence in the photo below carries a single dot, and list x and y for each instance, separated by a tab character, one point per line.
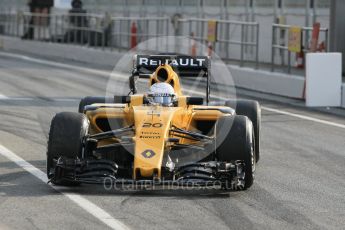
8	23
73	28
95	30
280	51
146	28
235	41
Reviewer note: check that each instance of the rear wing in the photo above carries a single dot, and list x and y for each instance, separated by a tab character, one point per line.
183	65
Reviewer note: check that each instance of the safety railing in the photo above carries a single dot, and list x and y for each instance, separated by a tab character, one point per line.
281	56
127	32
93	30
233	40
8	23
72	28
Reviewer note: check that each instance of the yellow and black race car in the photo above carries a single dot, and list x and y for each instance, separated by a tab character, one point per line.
162	137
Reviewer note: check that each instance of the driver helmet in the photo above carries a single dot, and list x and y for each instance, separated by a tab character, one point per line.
161	94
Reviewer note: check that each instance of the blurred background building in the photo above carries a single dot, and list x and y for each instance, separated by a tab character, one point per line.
264	12
299	12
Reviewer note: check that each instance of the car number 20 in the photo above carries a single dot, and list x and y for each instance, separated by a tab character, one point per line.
152	125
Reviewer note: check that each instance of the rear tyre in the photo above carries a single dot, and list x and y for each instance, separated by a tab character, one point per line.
252	110
67	131
92	100
235	141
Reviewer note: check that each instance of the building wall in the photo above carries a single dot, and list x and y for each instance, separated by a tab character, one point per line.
13	5
265	12
295	12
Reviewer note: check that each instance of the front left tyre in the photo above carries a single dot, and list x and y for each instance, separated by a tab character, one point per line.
252	110
66	135
235	141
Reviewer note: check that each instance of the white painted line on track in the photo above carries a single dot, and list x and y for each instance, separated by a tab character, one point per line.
303	117
66	100
3	97
284	112
82	202
105	73
57	64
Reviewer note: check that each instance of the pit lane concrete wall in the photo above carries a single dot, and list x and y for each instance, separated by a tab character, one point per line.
268	82
60	51
259	80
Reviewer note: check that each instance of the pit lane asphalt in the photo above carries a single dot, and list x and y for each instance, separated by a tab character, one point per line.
300	179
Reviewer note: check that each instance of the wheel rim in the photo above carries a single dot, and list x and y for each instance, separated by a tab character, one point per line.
253	158
49	166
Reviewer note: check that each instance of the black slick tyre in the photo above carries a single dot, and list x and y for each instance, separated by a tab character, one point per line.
67	131
235	141
252	110
93	100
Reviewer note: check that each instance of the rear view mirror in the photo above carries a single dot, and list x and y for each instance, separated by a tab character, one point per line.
195	101
132	85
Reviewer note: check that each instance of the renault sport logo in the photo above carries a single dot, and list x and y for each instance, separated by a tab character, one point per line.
148	153
178	61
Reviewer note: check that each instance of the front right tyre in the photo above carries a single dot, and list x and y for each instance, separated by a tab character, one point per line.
92	100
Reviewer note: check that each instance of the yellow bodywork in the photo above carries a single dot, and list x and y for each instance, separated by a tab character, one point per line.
152	124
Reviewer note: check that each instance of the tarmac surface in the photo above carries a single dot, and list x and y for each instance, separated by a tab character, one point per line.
300	179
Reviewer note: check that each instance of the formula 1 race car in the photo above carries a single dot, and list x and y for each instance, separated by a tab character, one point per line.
161	136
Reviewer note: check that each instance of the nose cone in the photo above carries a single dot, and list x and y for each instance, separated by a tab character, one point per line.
152	128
